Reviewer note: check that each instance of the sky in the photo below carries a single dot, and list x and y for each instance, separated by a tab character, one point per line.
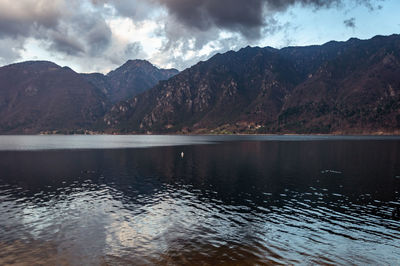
100	35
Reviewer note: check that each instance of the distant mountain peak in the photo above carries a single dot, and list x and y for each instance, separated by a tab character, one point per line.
354	39
42	96
133	77
35	63
137	62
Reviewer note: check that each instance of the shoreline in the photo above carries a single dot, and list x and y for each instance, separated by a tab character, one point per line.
208	134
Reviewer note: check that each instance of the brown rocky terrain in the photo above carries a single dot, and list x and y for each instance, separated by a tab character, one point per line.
339	87
42	97
129	80
350	87
38	96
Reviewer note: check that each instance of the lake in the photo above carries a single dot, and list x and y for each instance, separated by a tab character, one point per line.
199	200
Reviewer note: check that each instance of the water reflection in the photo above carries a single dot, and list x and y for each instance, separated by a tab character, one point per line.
246	202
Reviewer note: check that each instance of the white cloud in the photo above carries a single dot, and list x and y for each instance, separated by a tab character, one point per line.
99	35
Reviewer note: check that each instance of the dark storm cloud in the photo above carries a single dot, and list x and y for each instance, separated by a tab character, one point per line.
12	28
66	44
234	15
64	25
79	35
247	17
350	23
94	31
18	18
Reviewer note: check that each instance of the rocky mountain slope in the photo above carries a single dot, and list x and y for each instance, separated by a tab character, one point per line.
348	87
38	96
130	79
339	87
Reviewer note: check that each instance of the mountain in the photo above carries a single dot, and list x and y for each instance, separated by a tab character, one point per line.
350	87
338	87
38	96
130	79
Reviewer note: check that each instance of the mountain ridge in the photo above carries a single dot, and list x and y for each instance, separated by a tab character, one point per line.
129	79
40	96
255	90
350	87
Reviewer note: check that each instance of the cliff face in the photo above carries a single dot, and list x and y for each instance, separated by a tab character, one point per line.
347	87
130	79
40	96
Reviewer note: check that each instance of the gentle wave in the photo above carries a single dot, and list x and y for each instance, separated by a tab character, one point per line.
251	202
98	223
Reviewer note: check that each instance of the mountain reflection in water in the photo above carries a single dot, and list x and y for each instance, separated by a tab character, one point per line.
244	202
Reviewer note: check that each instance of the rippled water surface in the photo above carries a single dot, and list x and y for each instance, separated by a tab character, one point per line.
134	200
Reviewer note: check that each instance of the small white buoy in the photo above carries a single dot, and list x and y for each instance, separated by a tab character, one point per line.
182	154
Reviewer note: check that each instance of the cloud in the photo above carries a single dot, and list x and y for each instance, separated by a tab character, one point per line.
190	25
133	49
68	27
60	42
226	14
19	18
94	30
81	31
247	18
350	23
137	10
10	49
